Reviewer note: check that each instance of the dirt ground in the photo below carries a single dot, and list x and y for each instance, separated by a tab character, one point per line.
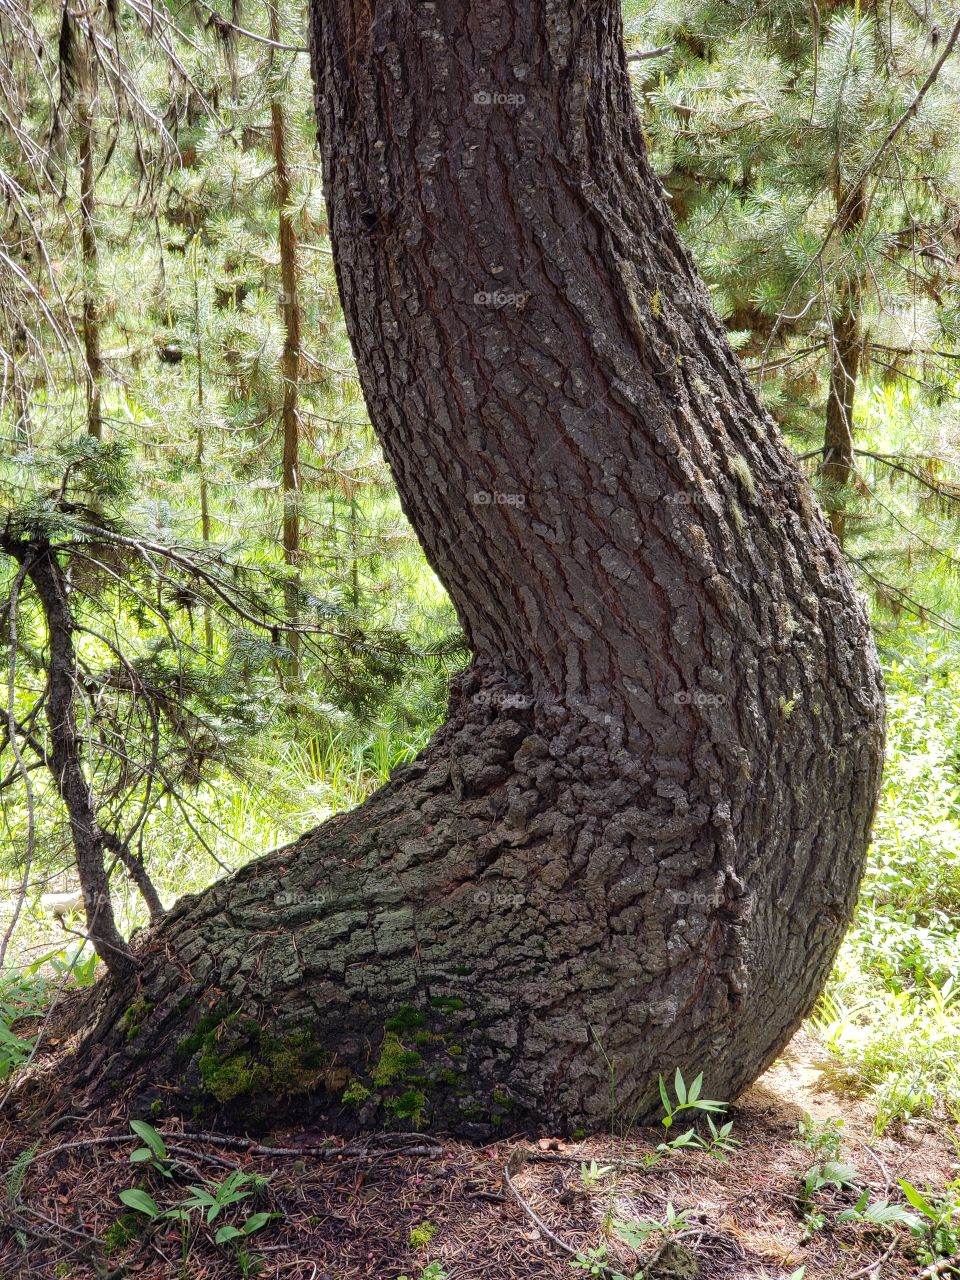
349	1212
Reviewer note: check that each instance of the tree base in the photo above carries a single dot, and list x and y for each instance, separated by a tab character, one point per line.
519	933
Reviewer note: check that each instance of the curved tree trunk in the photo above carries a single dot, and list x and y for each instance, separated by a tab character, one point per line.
638	837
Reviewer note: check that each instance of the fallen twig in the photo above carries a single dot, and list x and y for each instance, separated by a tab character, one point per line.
940	1268
872	1269
516	1162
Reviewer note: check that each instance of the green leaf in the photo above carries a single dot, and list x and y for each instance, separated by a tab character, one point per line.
687	1139
891	1214
141	1153
148	1135
227	1232
665	1097
256	1221
694	1091
840	1175
679	1087
139	1200
917	1200
635	1234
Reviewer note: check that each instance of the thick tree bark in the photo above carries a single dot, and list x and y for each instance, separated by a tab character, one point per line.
638	837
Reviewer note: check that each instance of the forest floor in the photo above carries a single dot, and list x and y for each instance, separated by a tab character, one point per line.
410	1206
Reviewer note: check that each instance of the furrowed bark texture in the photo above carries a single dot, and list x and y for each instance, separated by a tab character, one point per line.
638	837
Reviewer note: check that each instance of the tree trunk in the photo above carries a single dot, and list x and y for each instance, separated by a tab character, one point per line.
845	357
290	364
639	835
199	455
838	431
63	681
88	248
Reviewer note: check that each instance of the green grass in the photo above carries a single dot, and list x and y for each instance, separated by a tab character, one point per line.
890	1016
298	785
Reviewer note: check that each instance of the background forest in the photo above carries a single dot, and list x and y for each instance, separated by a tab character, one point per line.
255	640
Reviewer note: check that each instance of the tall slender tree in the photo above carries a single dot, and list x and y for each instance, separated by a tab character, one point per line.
290	364
90	321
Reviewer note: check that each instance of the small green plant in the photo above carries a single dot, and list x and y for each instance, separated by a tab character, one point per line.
821	1139
22	995
939	1224
143	1202
217	1196
814	1220
638	1232
14	1051
719	1142
593	1174
880	1213
432	1271
154	1150
422	1234
18	1171
595	1263
79	964
825	1140
249	1226
688	1099
210	1200
829	1174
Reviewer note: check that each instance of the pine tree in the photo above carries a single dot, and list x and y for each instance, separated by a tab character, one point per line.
816	176
155	281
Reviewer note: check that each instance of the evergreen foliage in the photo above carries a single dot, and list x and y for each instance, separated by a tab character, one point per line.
816	175
145	339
